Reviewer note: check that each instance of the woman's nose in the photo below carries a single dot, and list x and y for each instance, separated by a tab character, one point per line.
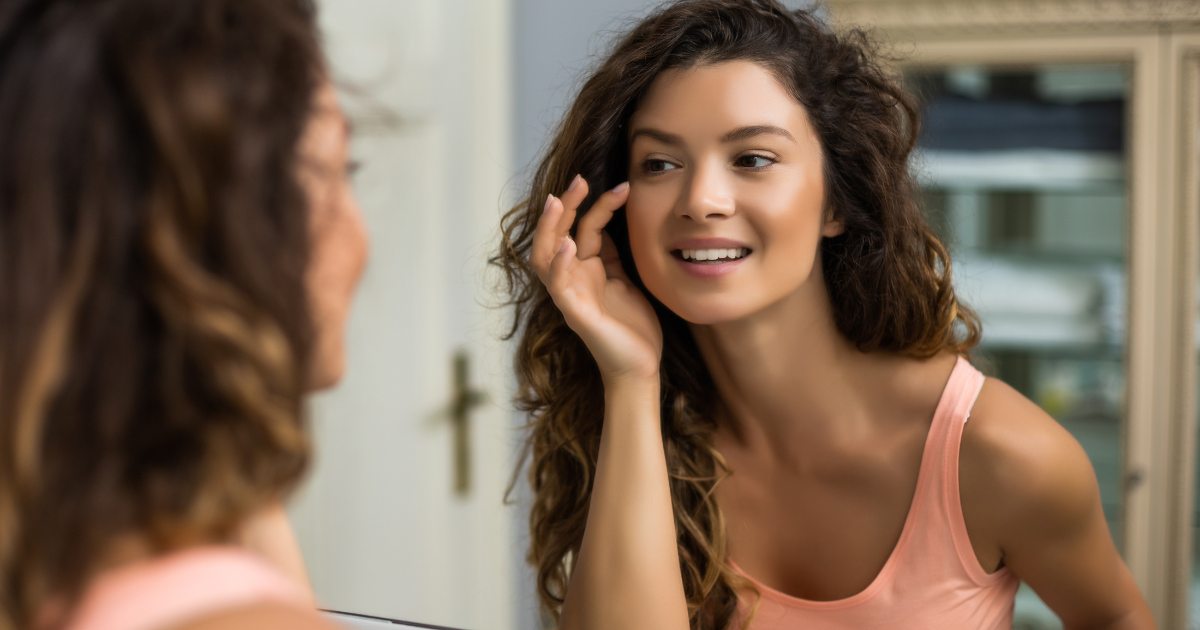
709	195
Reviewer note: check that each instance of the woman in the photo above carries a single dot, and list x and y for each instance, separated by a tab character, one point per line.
178	249
744	362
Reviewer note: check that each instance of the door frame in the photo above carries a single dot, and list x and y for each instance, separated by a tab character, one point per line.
1181	191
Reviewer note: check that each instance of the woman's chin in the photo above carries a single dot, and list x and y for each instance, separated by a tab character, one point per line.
326	374
708	312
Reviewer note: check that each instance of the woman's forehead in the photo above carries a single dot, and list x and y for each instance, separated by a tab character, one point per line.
714	98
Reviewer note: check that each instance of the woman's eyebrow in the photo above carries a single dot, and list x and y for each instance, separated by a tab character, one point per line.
741	133
656	134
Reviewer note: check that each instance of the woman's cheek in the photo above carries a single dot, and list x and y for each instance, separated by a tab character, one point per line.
639	225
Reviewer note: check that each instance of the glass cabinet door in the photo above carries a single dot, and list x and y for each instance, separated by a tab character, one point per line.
1024	175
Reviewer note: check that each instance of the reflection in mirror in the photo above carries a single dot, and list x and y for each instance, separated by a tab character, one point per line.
713	266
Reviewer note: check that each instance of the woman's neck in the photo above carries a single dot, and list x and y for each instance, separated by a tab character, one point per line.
787	376
123	551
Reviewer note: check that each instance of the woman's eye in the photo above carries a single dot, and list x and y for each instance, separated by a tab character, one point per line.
753	162
658	166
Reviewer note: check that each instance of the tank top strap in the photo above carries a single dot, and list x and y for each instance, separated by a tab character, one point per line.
953	409
182	586
952	413
951	418
944	513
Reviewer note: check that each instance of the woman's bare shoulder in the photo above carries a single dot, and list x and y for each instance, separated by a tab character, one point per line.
262	616
1025	463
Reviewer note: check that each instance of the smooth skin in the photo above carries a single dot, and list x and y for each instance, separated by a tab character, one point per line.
824	441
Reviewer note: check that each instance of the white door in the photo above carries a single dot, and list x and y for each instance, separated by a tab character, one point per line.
382	527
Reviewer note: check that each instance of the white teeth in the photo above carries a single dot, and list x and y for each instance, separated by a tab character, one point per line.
714	254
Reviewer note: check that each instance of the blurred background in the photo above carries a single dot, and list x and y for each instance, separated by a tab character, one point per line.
1058	160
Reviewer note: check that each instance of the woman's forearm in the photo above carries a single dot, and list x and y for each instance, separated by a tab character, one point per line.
627	573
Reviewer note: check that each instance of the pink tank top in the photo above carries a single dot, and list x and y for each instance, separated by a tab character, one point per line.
182	587
932	580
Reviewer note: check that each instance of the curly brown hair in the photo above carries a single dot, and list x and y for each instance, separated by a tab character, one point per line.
154	319
888	275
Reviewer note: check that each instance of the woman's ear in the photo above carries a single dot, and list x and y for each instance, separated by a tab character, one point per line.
832	226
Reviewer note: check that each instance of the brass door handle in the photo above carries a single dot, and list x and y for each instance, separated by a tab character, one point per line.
464	399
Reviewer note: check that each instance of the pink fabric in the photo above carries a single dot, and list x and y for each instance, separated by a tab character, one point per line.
182	587
932	579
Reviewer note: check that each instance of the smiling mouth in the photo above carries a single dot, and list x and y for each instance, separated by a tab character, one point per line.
714	256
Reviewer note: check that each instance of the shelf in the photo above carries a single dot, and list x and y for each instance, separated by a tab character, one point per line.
1060	308
1056	348
1027	169
1046	255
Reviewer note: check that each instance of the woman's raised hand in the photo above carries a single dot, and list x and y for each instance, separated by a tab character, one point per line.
588	285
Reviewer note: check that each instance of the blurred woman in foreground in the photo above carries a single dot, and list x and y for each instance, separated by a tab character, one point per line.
178	249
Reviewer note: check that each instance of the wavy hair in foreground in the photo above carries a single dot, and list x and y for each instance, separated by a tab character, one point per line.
154	326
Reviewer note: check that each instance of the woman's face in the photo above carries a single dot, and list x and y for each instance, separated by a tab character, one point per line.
339	240
727	194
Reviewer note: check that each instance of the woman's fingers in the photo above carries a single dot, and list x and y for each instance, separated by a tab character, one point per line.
611	258
574	195
558	215
592	225
546	237
551	238
559	276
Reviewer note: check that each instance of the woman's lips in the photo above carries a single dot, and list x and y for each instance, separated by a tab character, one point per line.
709	257
708	242
710	268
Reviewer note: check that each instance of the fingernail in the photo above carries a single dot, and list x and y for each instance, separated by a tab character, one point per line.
549	198
574	183
620	188
562	245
